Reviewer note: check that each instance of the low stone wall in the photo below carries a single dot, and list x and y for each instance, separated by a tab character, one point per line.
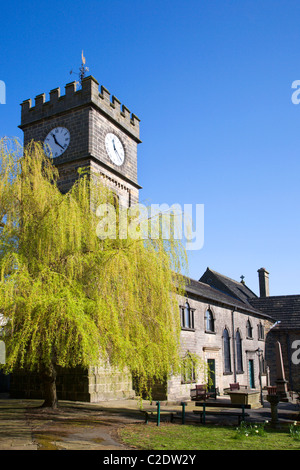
78	384
106	383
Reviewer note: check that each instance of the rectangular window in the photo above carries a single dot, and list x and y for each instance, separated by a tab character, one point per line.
188	373
187	317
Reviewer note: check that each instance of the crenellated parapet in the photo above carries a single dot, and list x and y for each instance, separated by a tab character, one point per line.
88	94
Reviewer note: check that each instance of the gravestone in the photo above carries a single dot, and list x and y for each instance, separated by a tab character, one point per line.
281	382
2	352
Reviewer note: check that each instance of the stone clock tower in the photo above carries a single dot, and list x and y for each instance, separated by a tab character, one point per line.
85	128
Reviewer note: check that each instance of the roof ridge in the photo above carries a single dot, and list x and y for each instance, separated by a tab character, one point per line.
227	277
238	283
278	297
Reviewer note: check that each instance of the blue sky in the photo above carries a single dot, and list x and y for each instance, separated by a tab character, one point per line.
211	82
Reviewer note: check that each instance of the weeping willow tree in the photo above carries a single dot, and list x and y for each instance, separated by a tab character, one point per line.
71	298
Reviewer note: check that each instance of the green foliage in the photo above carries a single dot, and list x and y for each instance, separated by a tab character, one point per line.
194	368
69	298
295	431
247	430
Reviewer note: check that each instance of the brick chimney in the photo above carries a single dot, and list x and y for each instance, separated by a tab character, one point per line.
263	278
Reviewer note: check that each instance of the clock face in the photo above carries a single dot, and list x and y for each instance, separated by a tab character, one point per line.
114	148
57	141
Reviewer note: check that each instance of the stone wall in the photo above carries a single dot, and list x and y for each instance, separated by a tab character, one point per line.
78	384
106	383
209	345
88	115
71	384
291	368
73	98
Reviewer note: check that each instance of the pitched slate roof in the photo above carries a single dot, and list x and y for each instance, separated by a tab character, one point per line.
210	294
228	286
285	308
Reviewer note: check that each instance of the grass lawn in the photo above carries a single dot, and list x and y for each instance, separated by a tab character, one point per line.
209	437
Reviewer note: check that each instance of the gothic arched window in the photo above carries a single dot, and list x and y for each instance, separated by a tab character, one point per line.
187	314
239	354
249	329
209	321
226	349
261	334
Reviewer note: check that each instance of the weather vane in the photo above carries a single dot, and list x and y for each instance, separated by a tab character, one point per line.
82	69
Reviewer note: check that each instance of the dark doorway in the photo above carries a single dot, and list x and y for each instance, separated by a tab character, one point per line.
251	374
4	382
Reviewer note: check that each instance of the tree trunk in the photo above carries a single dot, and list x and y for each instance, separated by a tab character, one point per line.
49	386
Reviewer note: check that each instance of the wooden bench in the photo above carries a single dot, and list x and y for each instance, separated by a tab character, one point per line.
158	413
153	415
202	393
241	415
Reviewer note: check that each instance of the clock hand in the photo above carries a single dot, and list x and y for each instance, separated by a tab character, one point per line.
116	151
60	146
53	135
118	155
57	143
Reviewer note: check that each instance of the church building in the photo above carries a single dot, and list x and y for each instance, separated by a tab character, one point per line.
222	320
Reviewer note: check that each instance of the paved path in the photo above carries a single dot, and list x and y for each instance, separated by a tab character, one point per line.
15	432
73	426
87	426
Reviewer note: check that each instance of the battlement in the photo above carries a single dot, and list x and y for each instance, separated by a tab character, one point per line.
89	94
